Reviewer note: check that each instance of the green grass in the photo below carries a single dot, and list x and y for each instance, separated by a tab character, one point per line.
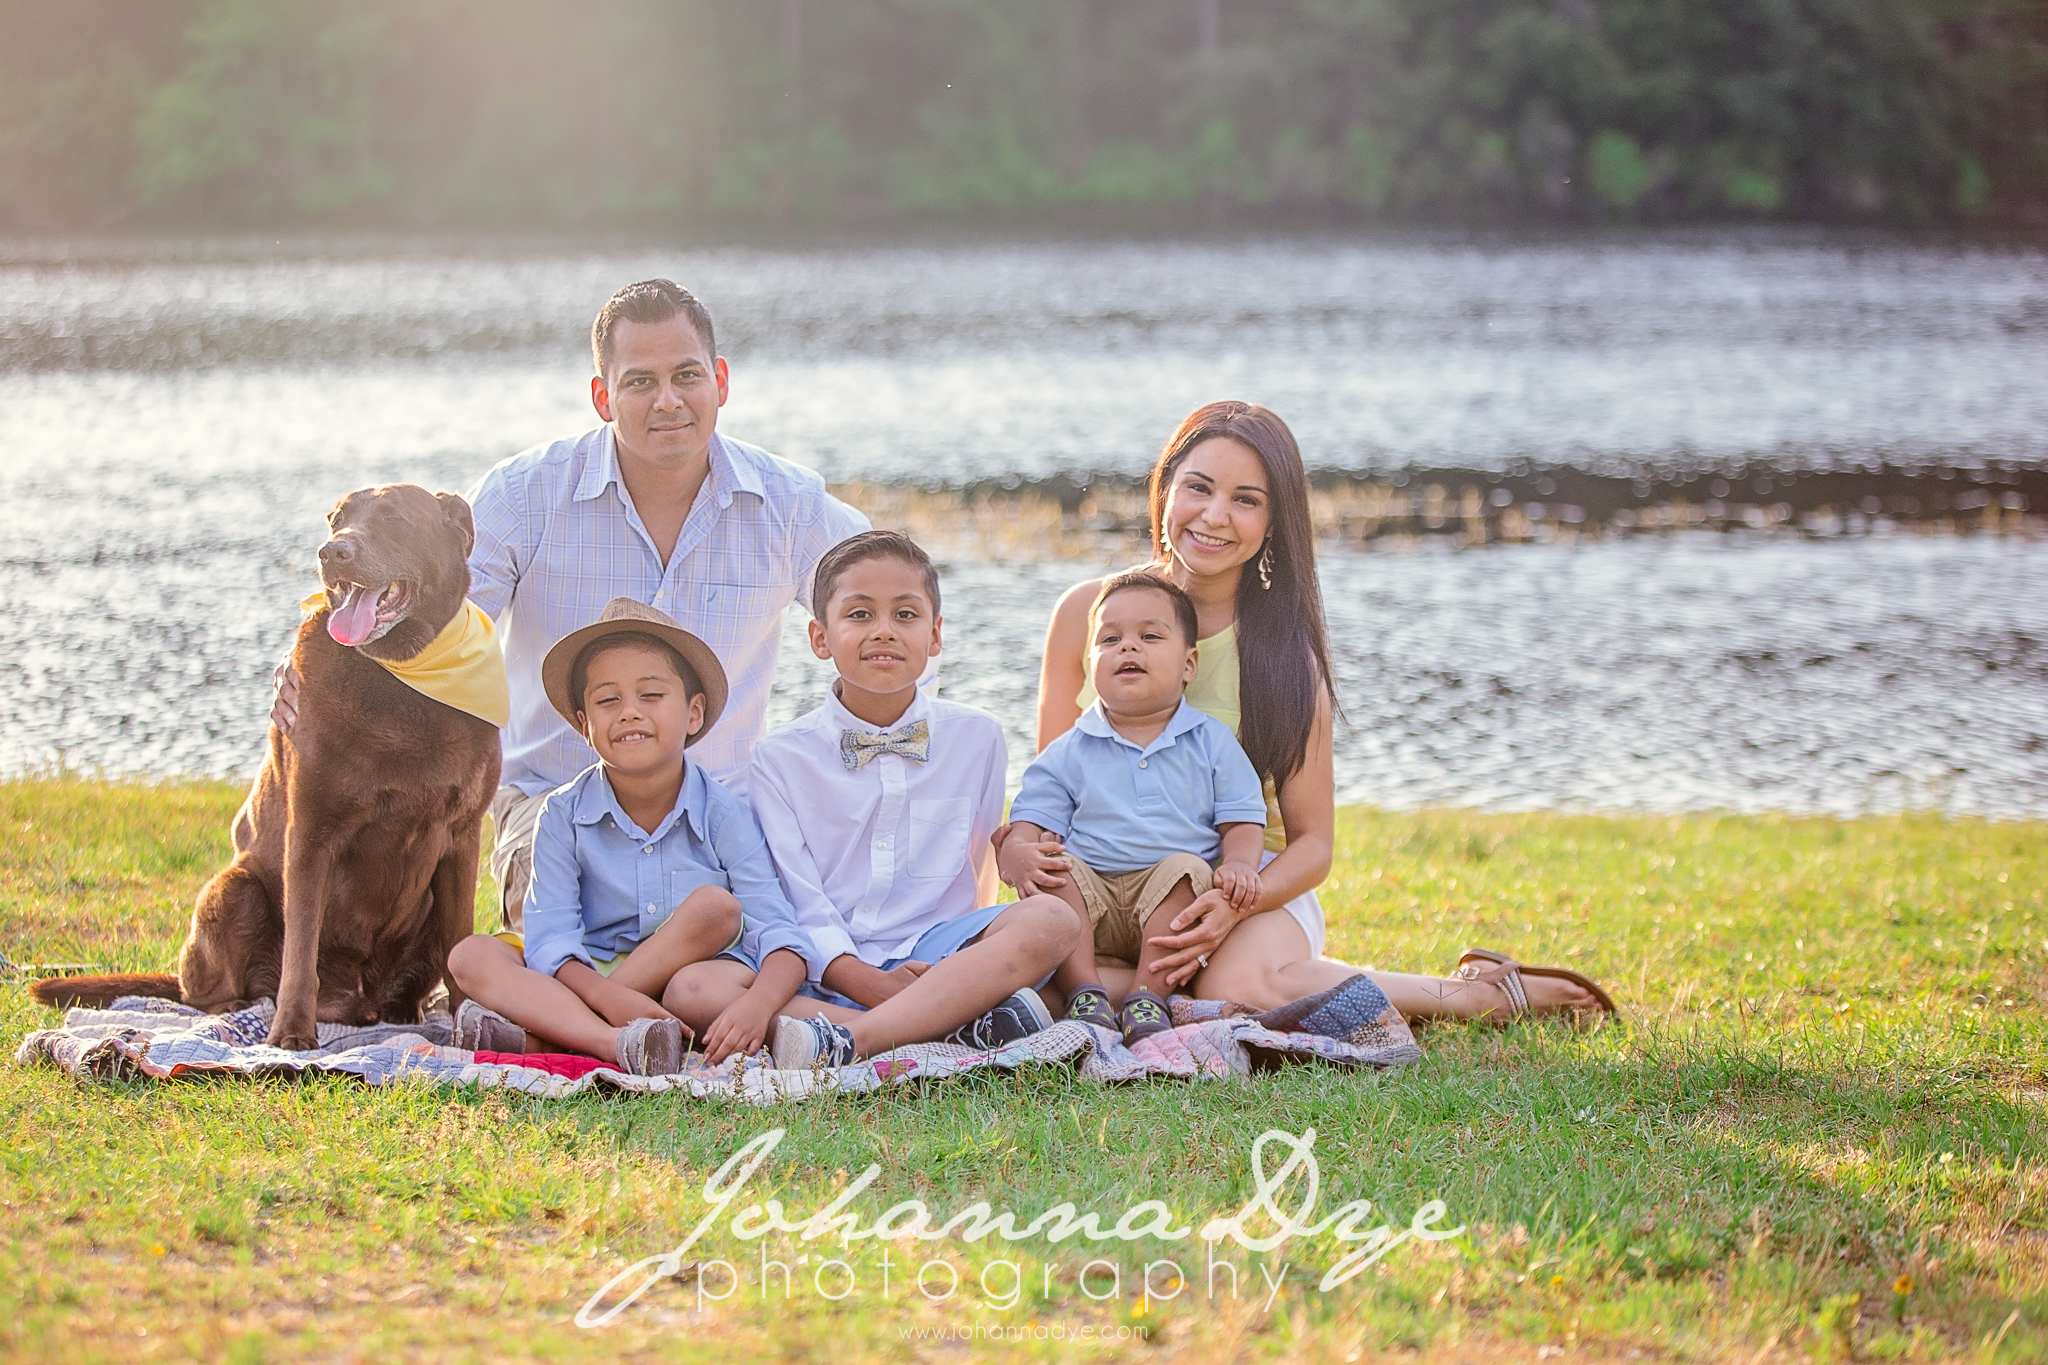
1832	1074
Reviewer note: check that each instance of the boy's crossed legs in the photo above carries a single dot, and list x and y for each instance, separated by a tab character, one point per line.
1020	947
579	1008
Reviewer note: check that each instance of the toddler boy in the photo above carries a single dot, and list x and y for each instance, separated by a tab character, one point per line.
1148	793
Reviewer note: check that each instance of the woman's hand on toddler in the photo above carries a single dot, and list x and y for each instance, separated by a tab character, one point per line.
1198	931
1240	883
1031	865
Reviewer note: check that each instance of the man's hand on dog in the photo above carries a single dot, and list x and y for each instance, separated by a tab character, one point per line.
284	695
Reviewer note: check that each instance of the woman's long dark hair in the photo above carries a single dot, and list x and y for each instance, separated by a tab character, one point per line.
1283	652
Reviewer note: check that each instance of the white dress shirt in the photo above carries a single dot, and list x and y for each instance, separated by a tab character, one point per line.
872	858
557	536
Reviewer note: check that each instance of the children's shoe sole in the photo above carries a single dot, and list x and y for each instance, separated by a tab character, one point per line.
795	1046
803	1044
651	1047
1031	1009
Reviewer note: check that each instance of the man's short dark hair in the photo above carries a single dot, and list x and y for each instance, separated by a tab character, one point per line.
1142	580
579	671
648	301
858	550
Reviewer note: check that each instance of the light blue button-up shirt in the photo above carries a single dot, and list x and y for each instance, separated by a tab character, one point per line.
601	884
557	536
1121	807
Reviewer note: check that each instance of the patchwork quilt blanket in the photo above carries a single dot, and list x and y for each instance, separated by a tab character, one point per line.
1350	1025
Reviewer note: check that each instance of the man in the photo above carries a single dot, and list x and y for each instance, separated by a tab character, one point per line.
654	505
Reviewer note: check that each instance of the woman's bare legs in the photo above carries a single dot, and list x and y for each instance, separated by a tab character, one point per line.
1265	964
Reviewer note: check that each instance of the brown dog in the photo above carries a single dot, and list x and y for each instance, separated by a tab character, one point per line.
356	851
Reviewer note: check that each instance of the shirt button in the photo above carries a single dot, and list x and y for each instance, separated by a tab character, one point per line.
648	848
1141	762
650	907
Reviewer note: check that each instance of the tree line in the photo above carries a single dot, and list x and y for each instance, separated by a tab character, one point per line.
521	115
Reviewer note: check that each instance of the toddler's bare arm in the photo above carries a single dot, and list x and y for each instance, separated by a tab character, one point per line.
1030	859
1237	875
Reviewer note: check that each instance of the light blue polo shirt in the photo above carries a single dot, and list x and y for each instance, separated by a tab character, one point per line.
1121	808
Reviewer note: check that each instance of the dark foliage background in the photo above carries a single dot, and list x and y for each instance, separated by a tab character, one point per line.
522	114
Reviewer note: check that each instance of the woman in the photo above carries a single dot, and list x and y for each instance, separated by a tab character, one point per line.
1230	524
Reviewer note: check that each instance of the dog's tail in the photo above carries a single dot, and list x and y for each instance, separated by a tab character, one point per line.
98	992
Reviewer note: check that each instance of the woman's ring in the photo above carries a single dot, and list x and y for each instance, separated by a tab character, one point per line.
1202	960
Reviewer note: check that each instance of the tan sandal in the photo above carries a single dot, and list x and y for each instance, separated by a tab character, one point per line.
1494	969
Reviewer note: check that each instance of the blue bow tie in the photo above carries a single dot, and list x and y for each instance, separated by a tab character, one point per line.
913	741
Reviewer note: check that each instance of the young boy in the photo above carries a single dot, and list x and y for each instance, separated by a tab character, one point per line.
878	807
1148	794
652	893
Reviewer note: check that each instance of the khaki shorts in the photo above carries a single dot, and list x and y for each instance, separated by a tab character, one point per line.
514	816
1119	904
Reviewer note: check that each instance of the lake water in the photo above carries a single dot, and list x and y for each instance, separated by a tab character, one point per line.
175	420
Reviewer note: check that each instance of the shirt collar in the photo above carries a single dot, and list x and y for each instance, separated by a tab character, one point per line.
727	474
733	474
1093	722
843	719
602	471
597	800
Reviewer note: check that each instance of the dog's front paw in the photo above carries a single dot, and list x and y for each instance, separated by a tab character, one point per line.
292	1036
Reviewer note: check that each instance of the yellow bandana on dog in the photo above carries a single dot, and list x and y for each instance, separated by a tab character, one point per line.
462	667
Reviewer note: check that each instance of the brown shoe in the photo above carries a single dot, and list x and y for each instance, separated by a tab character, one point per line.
1494	969
482	1030
651	1047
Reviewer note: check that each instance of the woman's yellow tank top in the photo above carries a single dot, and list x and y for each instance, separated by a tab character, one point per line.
1214	693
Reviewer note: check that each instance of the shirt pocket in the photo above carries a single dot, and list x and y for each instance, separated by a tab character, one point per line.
755	608
938	831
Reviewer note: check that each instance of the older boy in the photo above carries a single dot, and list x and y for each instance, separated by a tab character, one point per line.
1148	794
878	807
647	874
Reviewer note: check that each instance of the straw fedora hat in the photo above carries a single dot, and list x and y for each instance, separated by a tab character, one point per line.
622	615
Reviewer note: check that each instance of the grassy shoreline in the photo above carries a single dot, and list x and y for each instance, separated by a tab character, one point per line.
1833	1073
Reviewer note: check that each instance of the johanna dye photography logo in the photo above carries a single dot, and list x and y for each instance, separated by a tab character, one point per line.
1262	1225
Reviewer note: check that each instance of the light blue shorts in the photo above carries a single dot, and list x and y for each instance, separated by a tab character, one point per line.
935	944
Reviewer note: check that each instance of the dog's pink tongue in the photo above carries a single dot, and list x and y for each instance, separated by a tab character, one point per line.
351	622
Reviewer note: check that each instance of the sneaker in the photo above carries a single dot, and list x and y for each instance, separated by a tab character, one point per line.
1020	1016
1143	1015
651	1047
480	1030
806	1044
1090	1005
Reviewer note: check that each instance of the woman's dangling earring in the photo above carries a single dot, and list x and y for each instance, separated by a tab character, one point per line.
1266	567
